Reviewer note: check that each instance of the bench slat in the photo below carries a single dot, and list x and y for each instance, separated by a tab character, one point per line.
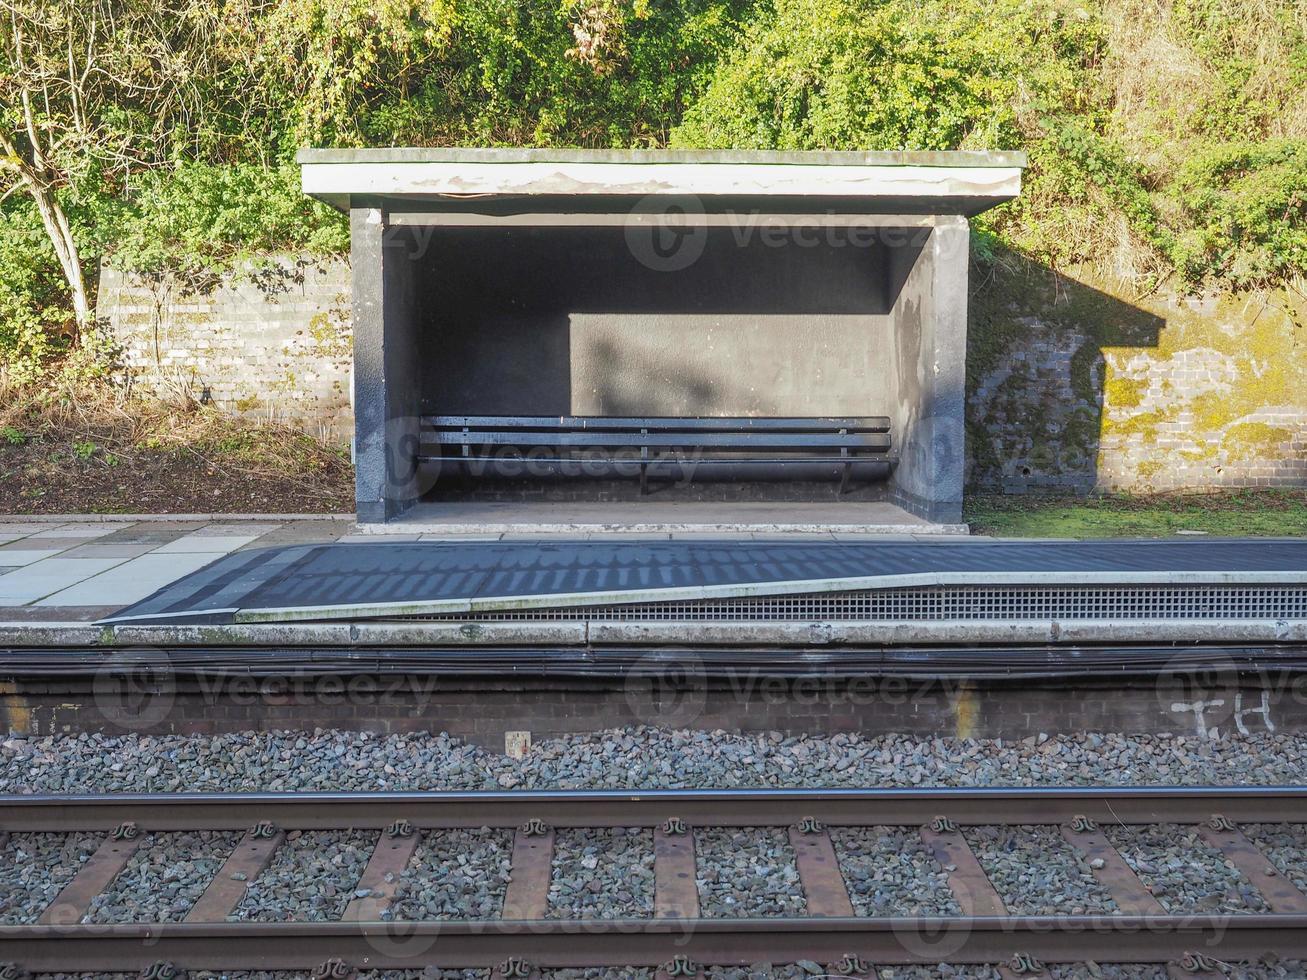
870	423
808	442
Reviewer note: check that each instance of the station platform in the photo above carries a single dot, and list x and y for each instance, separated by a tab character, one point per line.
320	582
227	627
585	579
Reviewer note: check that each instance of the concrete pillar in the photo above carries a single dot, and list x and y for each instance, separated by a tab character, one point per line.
385	396
931	339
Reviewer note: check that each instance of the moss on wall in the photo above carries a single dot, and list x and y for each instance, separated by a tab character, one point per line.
1072	383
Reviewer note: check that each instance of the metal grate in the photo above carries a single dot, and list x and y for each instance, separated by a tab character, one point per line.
945	604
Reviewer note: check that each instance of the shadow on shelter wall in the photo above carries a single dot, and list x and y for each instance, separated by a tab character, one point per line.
574	321
569	321
1036	375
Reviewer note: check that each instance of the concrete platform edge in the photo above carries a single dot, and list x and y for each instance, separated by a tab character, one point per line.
38	635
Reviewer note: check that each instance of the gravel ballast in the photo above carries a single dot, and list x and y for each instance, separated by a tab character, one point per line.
1036	872
1107	971
312	877
1183	872
430	973
632	758
456	874
889	871
1285	845
35	867
164	878
747	871
1285	970
602	873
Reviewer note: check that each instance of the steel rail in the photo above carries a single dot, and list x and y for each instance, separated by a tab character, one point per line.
650	942
1144	934
1108	805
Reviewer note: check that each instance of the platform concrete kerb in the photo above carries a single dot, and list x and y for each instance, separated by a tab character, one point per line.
655	527
670	633
166	518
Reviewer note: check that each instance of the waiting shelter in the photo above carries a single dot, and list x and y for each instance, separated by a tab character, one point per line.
648	325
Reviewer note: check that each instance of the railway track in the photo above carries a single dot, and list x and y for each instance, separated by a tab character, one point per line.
678	939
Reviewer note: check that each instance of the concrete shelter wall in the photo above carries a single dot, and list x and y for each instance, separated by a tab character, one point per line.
930	336
386	369
571	321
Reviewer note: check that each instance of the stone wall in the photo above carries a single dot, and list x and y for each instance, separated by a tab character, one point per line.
1071	387
271	341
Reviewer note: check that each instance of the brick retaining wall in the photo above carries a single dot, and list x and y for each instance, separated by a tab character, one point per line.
483	711
276	344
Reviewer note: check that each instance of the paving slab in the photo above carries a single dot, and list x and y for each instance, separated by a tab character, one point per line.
303	532
204	541
130	581
24	617
577	518
108	550
78	531
220	529
19	526
17	557
48	576
151	532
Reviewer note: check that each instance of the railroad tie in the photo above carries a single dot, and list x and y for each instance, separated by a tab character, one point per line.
676	888
819	870
1131	895
74	901
380	879
1279	892
245	863
967	880
527	896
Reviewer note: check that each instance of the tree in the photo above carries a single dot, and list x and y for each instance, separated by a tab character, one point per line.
92	91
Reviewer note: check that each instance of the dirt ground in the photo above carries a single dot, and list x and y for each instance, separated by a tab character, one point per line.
42	476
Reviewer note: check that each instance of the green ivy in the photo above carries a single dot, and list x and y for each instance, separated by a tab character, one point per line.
198	223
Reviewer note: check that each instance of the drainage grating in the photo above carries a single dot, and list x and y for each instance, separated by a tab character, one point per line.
942	604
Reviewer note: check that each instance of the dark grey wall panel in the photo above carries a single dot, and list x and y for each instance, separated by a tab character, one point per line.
559	321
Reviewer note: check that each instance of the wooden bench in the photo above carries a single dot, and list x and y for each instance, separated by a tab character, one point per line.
480	442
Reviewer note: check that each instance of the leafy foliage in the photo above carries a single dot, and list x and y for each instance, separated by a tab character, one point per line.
1170	135
33	312
498	72
1212	195
827	74
198	222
